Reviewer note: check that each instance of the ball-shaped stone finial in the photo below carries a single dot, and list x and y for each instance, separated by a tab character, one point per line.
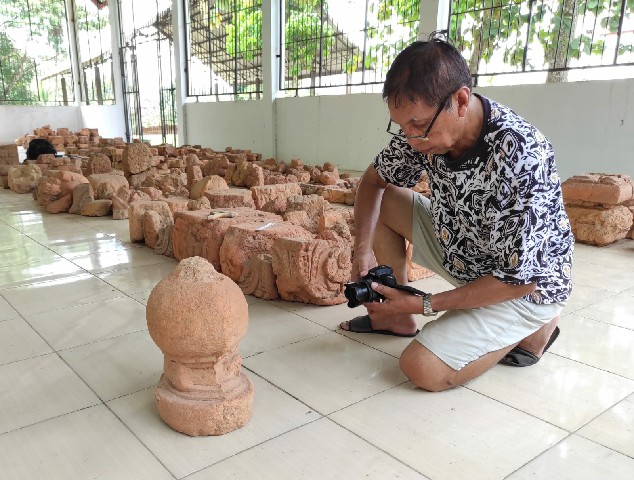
197	316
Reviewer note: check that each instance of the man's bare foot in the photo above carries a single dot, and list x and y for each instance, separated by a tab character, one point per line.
405	325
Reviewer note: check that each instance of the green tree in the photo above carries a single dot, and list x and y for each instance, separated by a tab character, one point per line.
33	33
310	31
16	73
513	29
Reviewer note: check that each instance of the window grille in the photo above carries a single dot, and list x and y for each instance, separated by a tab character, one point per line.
94	46
35	65
550	40
148	67
224	49
348	44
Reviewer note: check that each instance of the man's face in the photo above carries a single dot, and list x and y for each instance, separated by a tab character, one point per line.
416	118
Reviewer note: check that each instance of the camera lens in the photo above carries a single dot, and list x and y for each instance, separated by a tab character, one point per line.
358	293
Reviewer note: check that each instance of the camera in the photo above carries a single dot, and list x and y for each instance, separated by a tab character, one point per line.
361	292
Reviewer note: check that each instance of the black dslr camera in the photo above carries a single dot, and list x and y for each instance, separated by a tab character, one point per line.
361	292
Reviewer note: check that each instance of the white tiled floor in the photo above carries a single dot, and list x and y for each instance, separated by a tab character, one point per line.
78	370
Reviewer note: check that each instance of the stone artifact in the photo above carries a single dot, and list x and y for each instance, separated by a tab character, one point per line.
230	198
274	198
598	206
597	189
257	277
105	185
599	226
211	183
82	194
201	233
311	270
57	184
245	240
197	316
137	158
136	213
98	163
97	208
24	178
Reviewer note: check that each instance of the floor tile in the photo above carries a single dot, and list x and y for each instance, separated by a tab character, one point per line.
342	455
599	344
565	393
61	293
274	412
7	312
139	279
330	316
117	366
328	372
73	248
271	327
614	428
91	443
449	435
91	322
615	310
37	389
35	271
141	297
27	252
125	256
19	341
606	278
578	459
583	296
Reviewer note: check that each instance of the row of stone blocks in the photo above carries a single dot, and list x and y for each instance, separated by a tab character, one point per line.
600	207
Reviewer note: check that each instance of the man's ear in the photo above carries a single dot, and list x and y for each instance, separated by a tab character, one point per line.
463	97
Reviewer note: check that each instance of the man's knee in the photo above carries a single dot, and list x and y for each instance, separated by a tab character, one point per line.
424	369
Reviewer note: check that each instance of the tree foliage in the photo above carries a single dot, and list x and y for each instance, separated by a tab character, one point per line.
32	34
563	29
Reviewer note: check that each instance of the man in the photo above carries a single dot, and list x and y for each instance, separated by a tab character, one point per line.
495	226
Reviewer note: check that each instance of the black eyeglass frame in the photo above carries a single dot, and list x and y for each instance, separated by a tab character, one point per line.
424	136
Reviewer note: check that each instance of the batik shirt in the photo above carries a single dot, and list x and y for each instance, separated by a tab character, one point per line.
498	209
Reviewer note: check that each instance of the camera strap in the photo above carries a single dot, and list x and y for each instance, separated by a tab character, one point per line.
412	290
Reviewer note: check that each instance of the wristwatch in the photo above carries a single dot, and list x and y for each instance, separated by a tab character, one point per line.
427	310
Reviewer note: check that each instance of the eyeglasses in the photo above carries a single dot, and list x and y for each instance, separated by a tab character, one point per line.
422	137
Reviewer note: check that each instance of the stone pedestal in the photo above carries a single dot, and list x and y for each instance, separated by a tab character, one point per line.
197	316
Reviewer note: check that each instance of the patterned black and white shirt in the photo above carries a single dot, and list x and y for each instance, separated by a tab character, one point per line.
498	209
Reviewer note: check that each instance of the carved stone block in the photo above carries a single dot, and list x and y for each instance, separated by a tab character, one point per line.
274	198
311	270
245	240
136	212
196	234
599	226
597	189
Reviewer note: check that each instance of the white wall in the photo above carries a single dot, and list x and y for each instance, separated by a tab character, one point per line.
19	120
345	130
108	119
590	124
245	125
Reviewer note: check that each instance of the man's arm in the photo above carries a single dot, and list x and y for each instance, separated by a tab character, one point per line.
481	292
367	206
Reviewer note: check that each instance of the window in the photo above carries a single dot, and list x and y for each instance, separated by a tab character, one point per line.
342	46
224	49
94	46
545	40
35	65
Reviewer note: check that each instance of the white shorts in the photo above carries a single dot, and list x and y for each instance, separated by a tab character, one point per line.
459	337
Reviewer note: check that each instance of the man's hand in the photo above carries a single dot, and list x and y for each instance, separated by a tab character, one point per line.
361	264
397	302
